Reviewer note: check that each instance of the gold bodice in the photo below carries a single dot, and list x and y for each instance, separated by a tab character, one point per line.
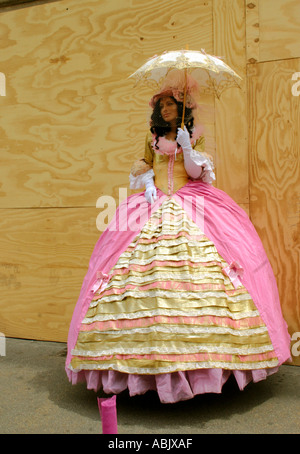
163	175
169	176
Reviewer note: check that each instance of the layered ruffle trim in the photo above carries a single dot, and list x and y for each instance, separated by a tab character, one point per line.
171	387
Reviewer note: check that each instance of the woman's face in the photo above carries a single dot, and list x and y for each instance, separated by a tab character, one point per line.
168	109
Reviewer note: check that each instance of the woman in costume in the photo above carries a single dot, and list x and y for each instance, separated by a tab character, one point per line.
179	293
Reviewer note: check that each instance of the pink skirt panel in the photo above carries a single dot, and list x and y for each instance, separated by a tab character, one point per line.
235	238
172	387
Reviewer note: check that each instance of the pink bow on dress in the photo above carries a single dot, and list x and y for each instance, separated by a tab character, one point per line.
234	271
101	282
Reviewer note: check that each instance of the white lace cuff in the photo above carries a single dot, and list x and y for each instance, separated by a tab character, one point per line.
207	175
139	181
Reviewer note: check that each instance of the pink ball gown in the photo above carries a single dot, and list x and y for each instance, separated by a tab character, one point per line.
178	295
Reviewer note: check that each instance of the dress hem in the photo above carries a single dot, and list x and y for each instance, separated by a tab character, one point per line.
171	387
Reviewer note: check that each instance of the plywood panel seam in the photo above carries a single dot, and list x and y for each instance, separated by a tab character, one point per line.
272	60
252	30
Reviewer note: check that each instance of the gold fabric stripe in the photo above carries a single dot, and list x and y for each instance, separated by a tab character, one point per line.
119	283
193	276
155	231
171	244
195	268
150	233
169	206
179	321
193	250
158	342
198	274
140	303
170	219
201	274
156	367
206	311
210	265
168	271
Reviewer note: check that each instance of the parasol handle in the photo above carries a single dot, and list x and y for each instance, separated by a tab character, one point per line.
184	96
184	101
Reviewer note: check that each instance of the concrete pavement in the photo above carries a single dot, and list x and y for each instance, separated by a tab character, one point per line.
36	398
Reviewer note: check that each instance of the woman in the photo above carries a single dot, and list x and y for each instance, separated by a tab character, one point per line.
185	297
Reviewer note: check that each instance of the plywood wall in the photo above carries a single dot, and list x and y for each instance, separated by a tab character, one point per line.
273	56
231	128
71	125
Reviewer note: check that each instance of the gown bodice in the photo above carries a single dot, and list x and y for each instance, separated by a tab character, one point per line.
168	162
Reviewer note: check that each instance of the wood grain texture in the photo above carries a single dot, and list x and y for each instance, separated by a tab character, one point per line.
72	123
279	24
274	119
231	109
44	258
71	126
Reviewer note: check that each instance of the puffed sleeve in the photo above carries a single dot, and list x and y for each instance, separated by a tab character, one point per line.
204	160
200	144
148	155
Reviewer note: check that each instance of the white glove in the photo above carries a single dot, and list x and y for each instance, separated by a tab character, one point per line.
183	138
139	181
150	193
192	169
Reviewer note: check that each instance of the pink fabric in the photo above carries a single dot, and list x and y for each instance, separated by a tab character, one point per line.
108	414
185	286
235	238
174	320
233	271
172	387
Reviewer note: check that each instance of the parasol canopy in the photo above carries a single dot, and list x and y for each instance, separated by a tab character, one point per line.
212	75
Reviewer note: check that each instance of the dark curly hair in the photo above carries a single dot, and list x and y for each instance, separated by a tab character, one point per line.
160	128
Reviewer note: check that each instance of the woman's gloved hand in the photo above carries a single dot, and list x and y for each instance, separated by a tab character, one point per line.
184	140
150	193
